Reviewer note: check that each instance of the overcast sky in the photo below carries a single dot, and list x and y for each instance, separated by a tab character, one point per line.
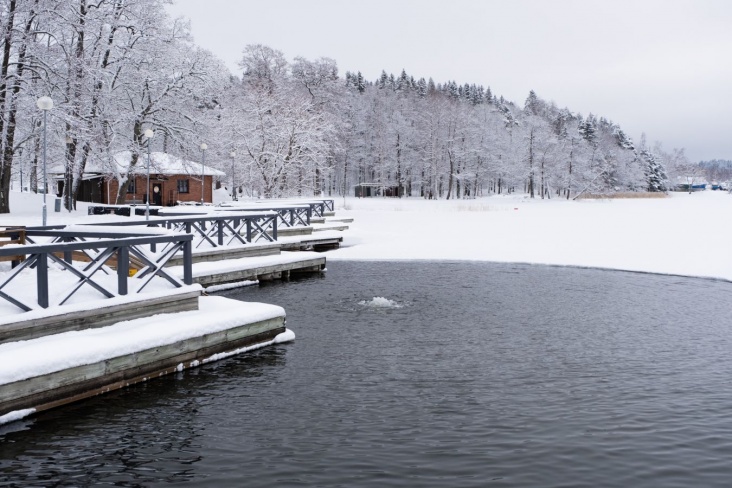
663	67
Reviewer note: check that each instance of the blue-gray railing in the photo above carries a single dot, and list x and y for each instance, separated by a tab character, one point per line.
215	229
289	215
318	207
98	248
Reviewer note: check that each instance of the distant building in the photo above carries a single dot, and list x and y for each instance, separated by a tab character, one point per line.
377	189
172	180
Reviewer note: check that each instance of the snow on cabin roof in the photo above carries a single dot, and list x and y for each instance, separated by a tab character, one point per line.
160	163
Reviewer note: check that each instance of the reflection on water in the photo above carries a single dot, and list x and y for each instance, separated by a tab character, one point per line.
426	374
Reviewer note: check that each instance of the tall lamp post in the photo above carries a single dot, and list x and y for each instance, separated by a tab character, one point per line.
233	185
45	104
203	162
149	134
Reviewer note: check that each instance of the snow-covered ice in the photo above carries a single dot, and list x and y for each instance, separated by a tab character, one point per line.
683	234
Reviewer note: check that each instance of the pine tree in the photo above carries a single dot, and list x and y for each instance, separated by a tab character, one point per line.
383	79
532	103
402	82
588	130
422	88
453	90
655	172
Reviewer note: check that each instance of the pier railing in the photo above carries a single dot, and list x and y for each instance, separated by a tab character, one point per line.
216	230
318	207
85	257
289	215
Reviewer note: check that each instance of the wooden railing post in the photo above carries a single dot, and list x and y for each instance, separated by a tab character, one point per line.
42	278
123	269
188	262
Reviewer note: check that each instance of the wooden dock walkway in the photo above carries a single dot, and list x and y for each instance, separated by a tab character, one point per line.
60	351
112	357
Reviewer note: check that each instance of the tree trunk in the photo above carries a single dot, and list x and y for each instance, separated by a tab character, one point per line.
6	168
531	163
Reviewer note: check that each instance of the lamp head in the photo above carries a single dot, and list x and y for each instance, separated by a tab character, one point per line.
44	103
204	147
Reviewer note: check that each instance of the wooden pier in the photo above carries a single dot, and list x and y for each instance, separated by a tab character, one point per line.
118	260
217	332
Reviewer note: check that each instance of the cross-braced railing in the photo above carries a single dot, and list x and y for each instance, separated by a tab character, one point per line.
93	252
317	207
329	204
289	215
216	230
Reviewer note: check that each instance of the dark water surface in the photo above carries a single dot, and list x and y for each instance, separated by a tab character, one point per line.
478	374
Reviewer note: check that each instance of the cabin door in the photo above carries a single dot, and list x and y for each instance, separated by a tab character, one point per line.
157	196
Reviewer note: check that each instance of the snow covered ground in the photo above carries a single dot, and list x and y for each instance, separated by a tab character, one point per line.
685	234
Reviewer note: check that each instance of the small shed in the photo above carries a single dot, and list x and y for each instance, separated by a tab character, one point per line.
377	189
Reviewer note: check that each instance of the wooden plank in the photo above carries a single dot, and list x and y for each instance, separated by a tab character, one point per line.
331	227
210	255
261	272
84	381
135	263
294	231
21	329
313	243
12	235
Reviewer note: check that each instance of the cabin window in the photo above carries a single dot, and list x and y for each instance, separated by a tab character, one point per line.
132	188
182	186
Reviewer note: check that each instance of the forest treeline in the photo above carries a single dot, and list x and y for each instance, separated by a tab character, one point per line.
116	68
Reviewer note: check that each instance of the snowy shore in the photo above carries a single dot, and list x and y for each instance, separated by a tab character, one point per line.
683	234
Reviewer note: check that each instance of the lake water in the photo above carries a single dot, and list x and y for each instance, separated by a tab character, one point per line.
426	374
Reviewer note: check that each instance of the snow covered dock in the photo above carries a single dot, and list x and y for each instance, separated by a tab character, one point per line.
53	370
78	321
111	304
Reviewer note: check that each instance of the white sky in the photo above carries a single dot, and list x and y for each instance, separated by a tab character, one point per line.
661	67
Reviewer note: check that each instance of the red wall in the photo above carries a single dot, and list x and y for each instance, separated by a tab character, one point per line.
169	189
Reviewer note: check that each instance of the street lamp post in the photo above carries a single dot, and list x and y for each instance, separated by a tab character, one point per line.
203	162
45	104
149	134
233	182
